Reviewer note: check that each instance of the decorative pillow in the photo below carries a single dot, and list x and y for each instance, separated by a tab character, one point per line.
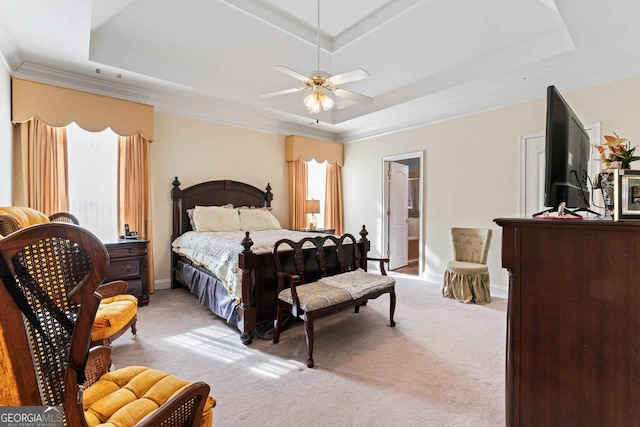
190	215
215	218
258	219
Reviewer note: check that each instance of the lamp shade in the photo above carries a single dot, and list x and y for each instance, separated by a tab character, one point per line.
312	206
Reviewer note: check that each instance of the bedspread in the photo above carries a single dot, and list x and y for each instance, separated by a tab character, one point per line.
218	251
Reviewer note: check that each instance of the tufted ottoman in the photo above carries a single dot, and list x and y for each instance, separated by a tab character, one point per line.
125	396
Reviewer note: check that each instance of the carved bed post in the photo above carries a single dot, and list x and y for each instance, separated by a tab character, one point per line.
364	245
268	196
176	195
247	310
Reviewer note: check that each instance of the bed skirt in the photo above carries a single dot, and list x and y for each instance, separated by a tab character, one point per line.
210	291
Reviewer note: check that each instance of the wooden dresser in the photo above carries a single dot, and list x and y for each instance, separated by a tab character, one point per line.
573	343
129	263
319	230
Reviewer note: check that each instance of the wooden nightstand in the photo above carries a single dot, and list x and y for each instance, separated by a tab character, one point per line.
129	263
319	230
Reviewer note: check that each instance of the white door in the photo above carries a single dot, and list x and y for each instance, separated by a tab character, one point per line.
534	171
398	215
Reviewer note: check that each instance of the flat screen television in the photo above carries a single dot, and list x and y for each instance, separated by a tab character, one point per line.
567	153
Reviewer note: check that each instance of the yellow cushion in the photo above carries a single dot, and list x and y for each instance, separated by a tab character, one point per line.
9	395
113	314
25	216
125	396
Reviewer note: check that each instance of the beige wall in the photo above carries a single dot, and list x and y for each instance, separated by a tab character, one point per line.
472	168
5	134
196	151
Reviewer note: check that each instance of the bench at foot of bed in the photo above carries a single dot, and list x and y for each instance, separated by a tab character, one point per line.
310	299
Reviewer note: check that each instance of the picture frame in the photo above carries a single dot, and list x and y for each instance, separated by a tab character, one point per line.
626	195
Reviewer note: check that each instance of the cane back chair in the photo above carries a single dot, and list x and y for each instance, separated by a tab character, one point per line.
50	275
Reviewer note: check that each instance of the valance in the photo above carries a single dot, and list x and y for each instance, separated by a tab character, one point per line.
58	107
300	147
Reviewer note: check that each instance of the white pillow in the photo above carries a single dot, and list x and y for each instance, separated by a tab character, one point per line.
190	215
258	219
215	218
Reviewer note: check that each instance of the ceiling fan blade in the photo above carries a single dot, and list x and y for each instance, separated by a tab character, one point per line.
349	76
282	92
288	71
362	99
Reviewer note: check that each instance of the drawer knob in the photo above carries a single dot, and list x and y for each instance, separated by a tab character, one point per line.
127	268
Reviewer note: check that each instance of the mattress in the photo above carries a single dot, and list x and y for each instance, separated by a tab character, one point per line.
218	251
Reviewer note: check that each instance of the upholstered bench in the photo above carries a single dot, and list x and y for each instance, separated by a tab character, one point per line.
124	397
117	312
309	290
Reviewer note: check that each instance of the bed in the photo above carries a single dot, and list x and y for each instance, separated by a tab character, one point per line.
244	292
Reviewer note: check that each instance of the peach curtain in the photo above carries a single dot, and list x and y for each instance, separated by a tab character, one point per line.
333	210
300	147
58	106
134	191
297	194
40	178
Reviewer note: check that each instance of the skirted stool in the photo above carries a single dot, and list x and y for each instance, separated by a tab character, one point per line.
467	278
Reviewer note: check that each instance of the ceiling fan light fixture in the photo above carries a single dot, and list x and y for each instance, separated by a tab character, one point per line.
317	100
326	102
321	81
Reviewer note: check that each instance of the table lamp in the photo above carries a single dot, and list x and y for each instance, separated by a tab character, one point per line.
312	207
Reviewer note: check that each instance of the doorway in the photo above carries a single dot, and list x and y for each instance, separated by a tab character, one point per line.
532	171
403	212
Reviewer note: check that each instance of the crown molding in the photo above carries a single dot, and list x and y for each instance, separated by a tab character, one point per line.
177	100
9	49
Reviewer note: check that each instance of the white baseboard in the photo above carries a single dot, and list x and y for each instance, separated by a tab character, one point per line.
162	284
433	278
499	290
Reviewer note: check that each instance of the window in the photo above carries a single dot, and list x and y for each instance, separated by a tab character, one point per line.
316	186
93	180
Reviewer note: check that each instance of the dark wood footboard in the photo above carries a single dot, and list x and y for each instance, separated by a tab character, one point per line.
257	308
260	284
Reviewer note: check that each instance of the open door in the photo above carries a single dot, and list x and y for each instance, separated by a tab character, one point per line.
533	171
398	215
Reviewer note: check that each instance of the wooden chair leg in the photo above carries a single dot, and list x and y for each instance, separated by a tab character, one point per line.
392	306
308	331
134	329
276	327
356	309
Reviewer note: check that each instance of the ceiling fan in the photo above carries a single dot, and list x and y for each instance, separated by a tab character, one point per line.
321	81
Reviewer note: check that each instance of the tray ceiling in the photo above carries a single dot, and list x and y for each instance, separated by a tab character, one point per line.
428	60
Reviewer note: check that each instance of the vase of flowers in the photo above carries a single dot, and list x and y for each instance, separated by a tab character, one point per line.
615	153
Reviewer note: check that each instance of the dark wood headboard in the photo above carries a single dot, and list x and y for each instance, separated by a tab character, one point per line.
213	193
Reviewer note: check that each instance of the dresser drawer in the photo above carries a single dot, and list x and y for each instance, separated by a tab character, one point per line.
123	268
127	250
135	287
128	262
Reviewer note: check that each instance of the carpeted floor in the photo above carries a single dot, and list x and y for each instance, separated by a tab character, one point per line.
442	365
